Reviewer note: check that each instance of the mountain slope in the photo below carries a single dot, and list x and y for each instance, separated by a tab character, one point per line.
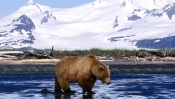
17	34
103	24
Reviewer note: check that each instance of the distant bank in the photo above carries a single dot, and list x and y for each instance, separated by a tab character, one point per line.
115	68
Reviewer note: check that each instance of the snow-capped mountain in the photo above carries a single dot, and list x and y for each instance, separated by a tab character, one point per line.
17	33
103	24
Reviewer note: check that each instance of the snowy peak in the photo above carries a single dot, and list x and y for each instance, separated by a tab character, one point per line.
31	5
23	23
30	2
47	16
43	13
170	10
17	34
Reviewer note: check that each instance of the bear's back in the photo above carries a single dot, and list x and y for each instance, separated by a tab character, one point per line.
76	61
74	64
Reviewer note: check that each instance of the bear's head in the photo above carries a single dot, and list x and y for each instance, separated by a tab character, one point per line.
102	72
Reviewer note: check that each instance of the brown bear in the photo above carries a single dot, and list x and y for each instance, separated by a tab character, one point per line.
83	70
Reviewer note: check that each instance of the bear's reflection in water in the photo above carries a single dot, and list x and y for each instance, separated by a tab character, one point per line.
67	95
89	96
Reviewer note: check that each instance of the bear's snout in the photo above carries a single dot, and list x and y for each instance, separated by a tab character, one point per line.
108	82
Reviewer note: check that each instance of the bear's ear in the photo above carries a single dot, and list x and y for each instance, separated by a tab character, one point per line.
101	68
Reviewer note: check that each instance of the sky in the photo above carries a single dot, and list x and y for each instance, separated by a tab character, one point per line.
9	6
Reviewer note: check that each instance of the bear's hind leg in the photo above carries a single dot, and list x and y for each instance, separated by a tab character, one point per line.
64	84
57	86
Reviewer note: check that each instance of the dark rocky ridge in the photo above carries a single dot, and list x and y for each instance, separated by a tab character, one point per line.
159	43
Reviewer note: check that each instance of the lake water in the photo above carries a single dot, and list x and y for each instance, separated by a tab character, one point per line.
123	86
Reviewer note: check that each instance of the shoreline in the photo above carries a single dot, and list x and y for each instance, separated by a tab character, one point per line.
115	67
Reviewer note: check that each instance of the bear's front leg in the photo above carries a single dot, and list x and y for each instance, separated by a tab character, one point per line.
90	84
87	84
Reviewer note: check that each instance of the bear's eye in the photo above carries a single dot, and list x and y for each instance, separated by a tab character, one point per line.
107	76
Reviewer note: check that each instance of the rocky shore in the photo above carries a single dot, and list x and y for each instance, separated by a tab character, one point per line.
115	67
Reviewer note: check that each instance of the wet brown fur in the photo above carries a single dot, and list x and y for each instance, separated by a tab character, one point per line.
83	70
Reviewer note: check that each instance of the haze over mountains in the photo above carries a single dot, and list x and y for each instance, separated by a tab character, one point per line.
106	24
